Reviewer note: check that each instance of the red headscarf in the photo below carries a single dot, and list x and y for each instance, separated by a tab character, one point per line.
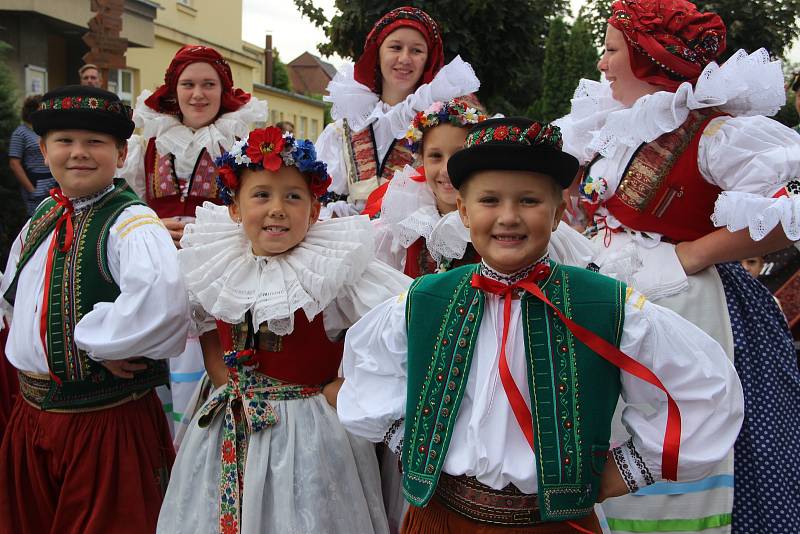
367	68
165	99
670	41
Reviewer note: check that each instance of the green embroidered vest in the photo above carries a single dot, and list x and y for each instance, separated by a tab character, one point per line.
573	390
80	278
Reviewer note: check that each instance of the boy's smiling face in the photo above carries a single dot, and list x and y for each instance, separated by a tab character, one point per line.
510	216
82	162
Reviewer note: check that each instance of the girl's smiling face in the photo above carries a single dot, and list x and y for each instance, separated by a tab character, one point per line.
402	57
438	144
276	209
199	94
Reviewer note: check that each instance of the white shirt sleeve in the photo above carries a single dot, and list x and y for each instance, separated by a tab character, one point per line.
700	378
133	168
330	149
150	317
750	159
373	397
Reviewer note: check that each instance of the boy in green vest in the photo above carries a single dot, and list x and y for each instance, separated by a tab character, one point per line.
98	305
498	381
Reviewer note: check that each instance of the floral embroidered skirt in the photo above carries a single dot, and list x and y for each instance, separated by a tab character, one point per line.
303	474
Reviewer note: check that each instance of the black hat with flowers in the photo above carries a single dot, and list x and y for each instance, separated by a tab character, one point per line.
78	107
513	144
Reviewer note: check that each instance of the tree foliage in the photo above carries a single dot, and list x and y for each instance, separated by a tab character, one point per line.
752	24
569	55
503	41
280	74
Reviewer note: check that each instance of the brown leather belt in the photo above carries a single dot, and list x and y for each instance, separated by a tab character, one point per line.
478	502
34	389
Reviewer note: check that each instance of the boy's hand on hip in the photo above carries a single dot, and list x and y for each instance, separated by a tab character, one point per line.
611	482
124	368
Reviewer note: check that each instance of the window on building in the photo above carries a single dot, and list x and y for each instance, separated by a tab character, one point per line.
120	82
314	129
303	127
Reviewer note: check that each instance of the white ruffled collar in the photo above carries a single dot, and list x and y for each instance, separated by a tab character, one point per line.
360	106
227	280
173	137
409	211
744	85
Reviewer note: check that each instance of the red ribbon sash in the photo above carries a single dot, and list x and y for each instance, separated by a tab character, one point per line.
672	435
64	223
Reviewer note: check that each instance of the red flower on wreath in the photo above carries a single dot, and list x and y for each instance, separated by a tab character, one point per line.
228	524
264	146
319	186
228	452
66	103
228	177
501	133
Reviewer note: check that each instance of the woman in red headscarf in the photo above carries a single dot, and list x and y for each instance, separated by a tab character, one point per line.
684	176
400	72
186	123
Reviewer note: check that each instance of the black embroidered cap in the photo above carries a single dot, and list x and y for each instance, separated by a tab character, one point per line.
513	144
77	107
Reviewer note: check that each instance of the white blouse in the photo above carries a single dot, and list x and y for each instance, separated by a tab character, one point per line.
361	107
150	317
487	442
173	137
747	155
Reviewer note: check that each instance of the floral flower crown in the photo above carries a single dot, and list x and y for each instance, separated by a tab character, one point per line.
269	148
456	112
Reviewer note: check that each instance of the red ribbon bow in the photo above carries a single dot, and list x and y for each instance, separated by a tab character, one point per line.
64	220
672	435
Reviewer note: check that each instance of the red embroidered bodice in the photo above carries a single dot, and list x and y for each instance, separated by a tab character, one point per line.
304	357
662	189
419	260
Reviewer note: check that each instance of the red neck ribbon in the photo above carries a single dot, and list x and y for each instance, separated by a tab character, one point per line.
672	435
64	223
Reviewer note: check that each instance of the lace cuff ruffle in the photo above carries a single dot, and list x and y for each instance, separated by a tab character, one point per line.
760	215
632	467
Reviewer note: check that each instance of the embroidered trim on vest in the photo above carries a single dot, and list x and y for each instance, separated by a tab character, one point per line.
162	181
652	164
365	160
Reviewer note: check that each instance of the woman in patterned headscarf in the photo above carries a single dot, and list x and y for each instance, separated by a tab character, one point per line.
684	176
400	73
185	123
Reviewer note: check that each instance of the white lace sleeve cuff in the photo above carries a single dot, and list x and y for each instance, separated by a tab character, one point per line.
394	436
760	215
632	467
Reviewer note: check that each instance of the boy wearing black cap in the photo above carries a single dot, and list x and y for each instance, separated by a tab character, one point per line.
97	307
498	380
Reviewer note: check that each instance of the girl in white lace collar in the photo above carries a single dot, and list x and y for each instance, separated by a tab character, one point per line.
675	146
280	288
401	72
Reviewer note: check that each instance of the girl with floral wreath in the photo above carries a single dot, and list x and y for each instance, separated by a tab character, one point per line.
266	453
400	73
187	122
675	146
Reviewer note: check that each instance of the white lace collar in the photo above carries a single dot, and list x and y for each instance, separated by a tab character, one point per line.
744	85
409	212
227	280
173	137
356	103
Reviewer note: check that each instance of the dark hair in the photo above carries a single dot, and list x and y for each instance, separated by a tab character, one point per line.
30	105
